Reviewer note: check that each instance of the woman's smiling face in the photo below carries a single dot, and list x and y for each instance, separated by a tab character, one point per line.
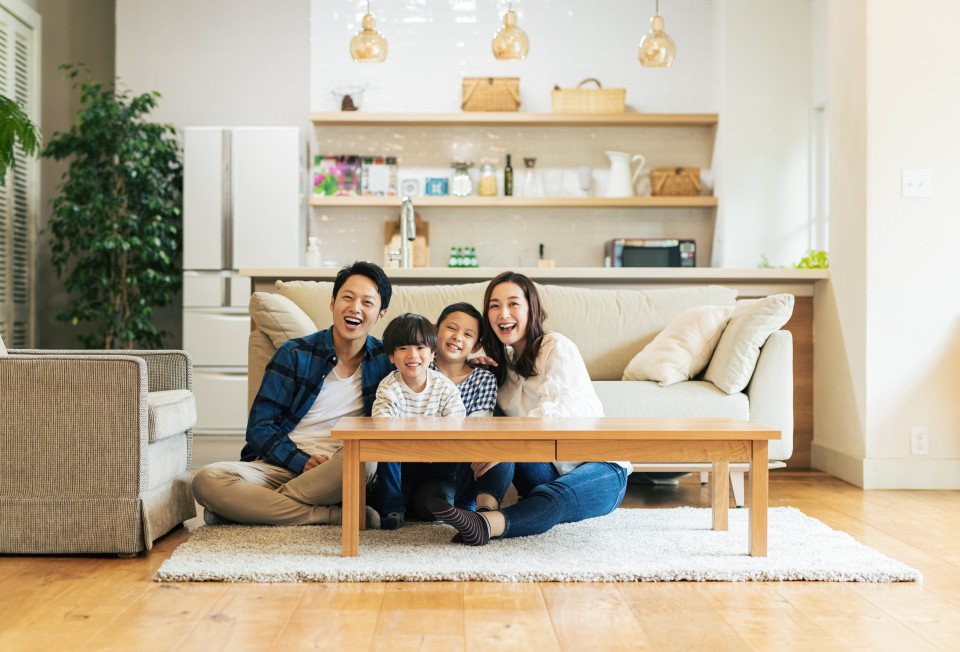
509	313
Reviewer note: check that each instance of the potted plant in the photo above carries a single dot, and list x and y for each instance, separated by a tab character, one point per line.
116	224
15	126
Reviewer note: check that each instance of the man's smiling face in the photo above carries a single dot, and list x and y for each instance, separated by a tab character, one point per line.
356	308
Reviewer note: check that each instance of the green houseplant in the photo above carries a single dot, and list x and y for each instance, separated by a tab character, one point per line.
116	224
15	126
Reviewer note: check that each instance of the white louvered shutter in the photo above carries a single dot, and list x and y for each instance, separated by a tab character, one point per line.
19	195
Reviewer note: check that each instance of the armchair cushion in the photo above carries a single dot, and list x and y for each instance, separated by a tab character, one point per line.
170	413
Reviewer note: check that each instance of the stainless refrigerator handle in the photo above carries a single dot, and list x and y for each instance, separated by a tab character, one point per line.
226	190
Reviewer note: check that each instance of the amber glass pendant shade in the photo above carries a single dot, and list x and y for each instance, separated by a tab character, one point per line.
368	45
510	43
657	49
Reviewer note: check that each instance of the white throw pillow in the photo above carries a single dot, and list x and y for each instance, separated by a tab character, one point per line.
682	349
752	322
3	349
279	317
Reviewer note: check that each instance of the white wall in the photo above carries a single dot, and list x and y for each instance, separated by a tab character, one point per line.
896	298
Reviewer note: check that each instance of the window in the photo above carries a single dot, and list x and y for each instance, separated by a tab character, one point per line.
19	196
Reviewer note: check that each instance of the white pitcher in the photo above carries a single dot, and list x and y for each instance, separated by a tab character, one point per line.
621	183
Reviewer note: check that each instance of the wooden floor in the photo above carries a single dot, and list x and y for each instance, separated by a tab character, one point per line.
105	603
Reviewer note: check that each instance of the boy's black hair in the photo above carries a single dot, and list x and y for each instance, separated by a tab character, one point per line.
465	308
372	272
409	329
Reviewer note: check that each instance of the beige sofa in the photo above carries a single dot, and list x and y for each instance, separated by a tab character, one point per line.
609	326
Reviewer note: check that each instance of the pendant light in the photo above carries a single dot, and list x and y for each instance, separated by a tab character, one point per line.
657	49
368	45
510	43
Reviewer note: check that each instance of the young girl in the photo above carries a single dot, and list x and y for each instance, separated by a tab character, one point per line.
458	329
540	374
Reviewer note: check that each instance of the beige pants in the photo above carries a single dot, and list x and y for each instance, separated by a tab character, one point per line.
257	492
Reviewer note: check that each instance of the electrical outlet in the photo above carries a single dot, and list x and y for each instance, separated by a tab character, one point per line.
919	440
916	183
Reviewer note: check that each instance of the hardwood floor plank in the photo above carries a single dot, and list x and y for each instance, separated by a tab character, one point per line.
931	618
428	609
333	617
857	623
250	617
507	616
593	616
162	618
676	616
764	619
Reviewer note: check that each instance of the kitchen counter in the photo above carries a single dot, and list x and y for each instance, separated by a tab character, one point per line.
750	282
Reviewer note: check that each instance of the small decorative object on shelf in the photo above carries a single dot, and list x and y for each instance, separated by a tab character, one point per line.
462	186
508	179
436	187
336	175
453	261
378	176
532	184
488	181
313	258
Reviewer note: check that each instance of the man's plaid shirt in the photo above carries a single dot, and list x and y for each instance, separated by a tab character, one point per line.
291	383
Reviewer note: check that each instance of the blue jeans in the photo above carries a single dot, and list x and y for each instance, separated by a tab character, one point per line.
449	481
592	489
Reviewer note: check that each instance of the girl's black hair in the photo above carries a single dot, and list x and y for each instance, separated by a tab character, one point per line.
409	329
462	306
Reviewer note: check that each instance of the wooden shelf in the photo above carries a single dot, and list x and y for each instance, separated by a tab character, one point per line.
517	202
518	119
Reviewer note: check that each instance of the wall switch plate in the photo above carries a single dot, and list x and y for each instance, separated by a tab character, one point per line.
917	183
919	440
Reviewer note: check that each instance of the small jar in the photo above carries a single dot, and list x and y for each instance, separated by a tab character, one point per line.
461	186
488	181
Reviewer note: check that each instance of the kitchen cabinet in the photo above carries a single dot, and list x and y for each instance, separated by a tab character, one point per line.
560	142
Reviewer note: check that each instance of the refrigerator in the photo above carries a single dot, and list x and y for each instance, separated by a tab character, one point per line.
242	207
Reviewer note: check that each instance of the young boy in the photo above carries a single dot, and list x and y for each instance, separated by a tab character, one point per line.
412	390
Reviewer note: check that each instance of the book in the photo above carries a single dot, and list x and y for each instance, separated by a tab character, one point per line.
378	176
336	175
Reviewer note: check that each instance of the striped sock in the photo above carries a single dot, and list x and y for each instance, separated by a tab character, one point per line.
473	527
458	538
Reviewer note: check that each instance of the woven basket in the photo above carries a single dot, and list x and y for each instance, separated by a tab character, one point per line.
589	100
675	182
491	94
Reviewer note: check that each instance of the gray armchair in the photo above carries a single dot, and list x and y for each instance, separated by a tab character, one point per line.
94	449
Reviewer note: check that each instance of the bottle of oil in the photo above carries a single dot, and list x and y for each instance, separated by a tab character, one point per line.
508	179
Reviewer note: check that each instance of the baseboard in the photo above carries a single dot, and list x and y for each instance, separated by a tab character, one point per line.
840	465
887	473
911	473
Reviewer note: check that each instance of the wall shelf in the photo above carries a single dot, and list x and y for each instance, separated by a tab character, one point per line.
516	202
513	118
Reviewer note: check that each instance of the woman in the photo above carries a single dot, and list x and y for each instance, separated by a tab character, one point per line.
539	374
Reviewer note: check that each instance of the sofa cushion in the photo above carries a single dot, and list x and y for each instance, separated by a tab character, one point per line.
645	398
169	413
682	349
749	327
3	349
167	459
279	317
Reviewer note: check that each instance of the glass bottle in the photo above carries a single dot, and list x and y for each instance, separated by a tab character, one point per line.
532	185
488	181
452	260
459	257
508	179
462	186
473	257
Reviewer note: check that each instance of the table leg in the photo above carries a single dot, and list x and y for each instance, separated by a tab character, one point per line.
759	476
352	490
721	495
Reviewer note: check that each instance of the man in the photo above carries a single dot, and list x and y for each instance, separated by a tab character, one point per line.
291	471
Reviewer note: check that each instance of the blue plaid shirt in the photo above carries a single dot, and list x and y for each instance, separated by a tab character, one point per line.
291	383
478	391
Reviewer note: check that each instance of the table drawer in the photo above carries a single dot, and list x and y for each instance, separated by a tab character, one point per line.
652	450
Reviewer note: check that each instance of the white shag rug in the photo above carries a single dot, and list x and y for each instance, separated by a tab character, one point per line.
625	546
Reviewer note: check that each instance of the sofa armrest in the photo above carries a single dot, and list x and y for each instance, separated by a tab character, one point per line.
770	391
73	425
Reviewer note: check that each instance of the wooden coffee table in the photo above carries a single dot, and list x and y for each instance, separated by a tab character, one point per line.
536	439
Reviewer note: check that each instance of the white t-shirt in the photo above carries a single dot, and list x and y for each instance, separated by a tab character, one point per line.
440	398
338	397
561	388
